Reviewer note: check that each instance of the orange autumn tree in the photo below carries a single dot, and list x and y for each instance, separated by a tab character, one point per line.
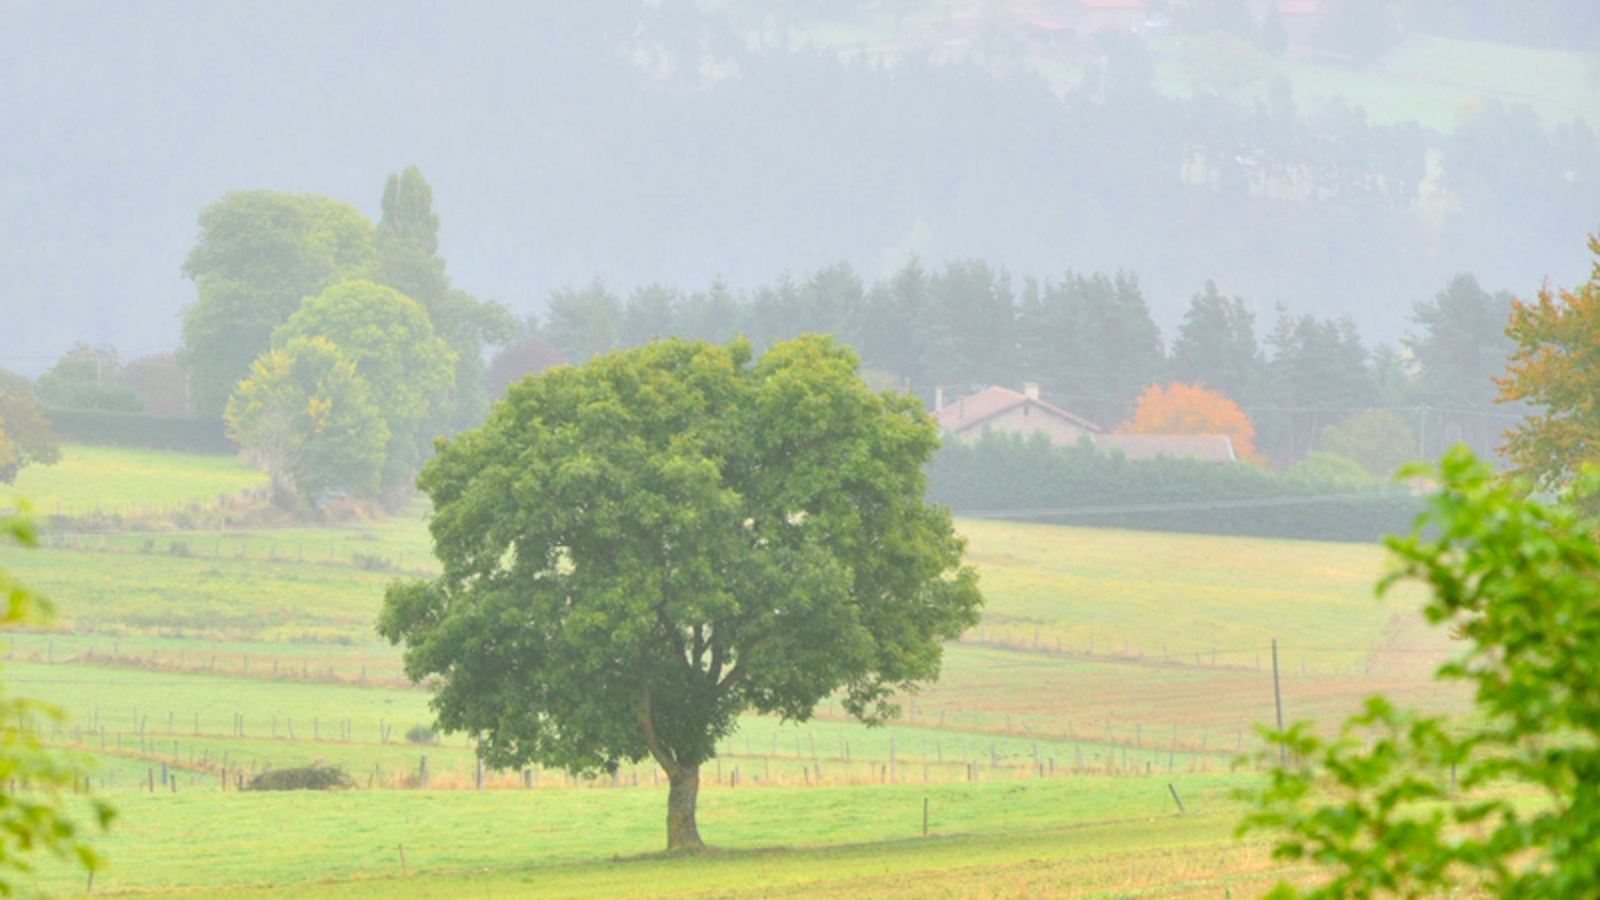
1193	409
1556	371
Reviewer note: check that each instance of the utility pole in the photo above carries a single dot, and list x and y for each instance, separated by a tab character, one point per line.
1277	699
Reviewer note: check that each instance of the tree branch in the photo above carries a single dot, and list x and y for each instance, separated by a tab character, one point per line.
647	727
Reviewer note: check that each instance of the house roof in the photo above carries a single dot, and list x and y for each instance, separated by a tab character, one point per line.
1207	447
975	409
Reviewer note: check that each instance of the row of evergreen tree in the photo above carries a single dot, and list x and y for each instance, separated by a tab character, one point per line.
1089	340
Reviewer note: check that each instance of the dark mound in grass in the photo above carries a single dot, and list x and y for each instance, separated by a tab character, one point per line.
310	778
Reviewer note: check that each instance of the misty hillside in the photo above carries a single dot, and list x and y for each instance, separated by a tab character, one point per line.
673	142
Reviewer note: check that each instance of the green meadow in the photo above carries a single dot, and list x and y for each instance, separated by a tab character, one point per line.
1110	670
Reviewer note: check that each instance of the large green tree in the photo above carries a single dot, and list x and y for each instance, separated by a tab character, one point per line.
308	418
259	254
639	549
409	262
388	336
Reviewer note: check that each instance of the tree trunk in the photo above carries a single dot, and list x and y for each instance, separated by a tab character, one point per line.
682	833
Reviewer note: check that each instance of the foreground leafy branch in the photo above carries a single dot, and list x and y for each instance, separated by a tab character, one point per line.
1392	806
36	779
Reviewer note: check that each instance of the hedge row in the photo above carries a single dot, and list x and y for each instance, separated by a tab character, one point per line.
117	429
1006	477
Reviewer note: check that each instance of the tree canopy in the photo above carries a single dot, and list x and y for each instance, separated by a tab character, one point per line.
1216	344
1377	808
408	260
1460	345
1554	367
1193	409
88	377
259	254
1379	439
388	336
308	418
25	434
638	549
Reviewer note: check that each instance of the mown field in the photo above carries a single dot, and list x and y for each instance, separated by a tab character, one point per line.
92	480
1108	666
1431	80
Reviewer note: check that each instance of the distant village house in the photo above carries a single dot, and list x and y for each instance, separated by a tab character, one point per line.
1003	411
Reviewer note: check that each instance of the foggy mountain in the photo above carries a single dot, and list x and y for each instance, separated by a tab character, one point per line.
639	143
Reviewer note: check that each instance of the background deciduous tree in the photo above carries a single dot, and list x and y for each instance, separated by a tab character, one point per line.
639	549
259	254
308	418
407	367
1555	369
88	377
1193	409
583	322
407	243
528	356
27	432
1379	439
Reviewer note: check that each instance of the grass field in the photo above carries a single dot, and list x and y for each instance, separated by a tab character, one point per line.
1107	665
1040	839
1426	79
1430	80
108	479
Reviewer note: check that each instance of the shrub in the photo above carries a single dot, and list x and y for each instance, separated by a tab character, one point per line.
422	734
1007	477
308	778
118	429
371	562
179	548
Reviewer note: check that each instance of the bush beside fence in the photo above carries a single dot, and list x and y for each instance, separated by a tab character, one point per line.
87	426
1005	477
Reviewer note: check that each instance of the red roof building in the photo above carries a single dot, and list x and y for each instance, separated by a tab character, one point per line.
996	409
1006	411
1089	17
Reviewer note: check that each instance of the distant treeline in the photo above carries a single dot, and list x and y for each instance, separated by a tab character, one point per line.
659	141
1090	342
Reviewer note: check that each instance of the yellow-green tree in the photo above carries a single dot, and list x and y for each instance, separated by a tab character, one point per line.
1556	370
408	368
307	418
